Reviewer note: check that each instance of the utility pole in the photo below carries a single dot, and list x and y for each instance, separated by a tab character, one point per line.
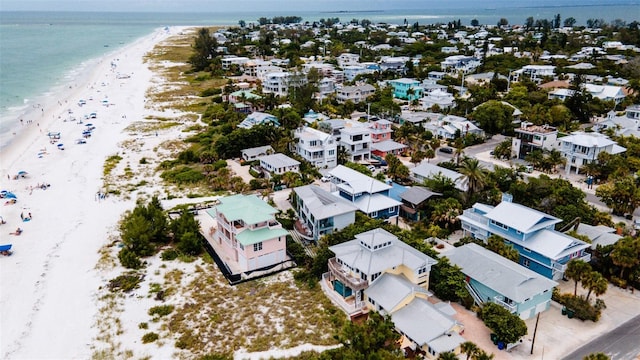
535	329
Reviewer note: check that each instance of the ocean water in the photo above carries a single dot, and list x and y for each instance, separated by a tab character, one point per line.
42	51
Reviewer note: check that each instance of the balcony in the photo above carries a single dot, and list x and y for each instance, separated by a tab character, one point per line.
356	284
348	305
500	301
563	267
474	216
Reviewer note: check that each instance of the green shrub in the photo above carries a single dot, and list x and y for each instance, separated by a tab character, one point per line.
143	160
507	326
582	309
129	259
169	254
149	337
125	282
210	92
621	283
219	164
161	310
143	326
254	173
183	174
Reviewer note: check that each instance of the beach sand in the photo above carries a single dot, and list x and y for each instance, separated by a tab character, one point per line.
50	282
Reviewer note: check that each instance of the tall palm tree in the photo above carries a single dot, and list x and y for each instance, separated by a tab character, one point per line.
459	150
596	283
475	174
625	254
555	158
576	270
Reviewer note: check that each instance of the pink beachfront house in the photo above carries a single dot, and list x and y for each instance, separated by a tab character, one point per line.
248	233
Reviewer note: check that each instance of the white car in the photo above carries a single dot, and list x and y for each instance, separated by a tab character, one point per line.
325	178
371	167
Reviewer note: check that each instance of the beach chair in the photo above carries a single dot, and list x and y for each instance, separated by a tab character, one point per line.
5	250
17	232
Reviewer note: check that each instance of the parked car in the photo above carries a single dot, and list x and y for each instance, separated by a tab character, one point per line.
325	178
371	168
446	150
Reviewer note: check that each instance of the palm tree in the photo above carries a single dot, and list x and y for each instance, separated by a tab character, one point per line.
596	283
447	356
555	158
625	254
482	355
576	269
459	146
429	154
469	348
475	174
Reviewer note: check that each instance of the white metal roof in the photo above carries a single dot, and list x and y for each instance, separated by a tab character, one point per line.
372	261
356	182
520	217
321	203
389	290
498	273
422	322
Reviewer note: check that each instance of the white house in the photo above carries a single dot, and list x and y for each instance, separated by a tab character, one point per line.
581	148
356	139
354	93
317	147
278	164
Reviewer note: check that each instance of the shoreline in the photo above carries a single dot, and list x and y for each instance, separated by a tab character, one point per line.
51	280
48	100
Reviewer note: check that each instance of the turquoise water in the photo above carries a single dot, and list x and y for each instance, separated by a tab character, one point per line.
42	50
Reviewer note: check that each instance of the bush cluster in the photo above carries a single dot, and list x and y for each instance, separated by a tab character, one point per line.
582	308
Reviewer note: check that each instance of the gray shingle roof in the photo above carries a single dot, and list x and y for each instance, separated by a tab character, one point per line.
498	273
417	194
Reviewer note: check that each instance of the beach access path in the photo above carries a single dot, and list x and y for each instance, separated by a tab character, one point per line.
50	282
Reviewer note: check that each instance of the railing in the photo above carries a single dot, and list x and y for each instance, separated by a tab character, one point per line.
353	282
474	294
497	299
349	308
474	216
563	267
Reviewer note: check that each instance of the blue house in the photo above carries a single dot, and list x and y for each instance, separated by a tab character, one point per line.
402	86
320	213
369	195
531	232
493	278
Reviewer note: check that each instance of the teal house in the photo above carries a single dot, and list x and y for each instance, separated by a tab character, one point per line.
406	89
531	232
493	278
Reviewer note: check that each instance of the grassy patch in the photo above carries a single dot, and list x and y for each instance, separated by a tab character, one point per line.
149	337
125	282
109	164
160	311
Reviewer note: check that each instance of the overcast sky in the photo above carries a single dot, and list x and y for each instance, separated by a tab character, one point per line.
286	6
211	5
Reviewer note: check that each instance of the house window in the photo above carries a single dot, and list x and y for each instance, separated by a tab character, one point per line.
526	263
241	247
257	247
332	152
373	302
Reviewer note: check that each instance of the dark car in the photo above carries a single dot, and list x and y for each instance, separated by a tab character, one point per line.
446	150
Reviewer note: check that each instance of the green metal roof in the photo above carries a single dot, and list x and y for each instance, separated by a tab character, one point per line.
248	208
249	237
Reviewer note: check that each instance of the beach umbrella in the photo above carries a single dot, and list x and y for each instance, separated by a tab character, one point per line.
10	195
88	124
22	172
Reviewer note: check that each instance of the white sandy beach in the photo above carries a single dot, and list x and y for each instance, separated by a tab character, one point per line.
50	282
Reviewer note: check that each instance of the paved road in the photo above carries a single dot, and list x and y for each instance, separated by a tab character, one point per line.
621	343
